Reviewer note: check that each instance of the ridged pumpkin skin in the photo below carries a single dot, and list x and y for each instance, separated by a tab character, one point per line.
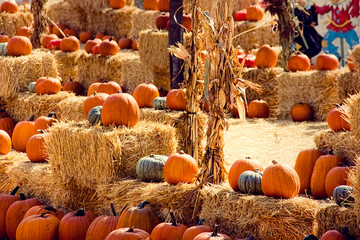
301	112
108	87
21	134
240	166
40	209
326	61
180	167
7	124
336	176
94	116
176	99
16	213
5	202
193	231
47	85
266	57
164	5
342	195
145	94
338	119
280	181
35	148
151	4
101	227
250	182
41	227
128	234
74	225
322	166
97	99
43	123
304	166
333	235
151	168
166	230
19	46
258	109
120	109
5	142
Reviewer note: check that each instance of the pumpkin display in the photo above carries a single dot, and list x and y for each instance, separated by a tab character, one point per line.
167	230
93	86
301	112
42	123
90	44
125	43
254	13
304	166
7	124
161	21
47	38
39	226
322	166
120	109
108	87
336	176
4	38
327	61
135	45
5	142
240	15
47	85
102	226
9	6
180	167
151	168
151	4
85	36
258	109
128	233
69	44
35	148
338	119
56	30
138	217
94	115
97	99
212	235
159	103
54	44
74	225
108	47
164	5
176	99
240	166
266	57
273	180
40	209
193	231
342	195
250	182
70	32
335	235
145	94
5	202
16	213
22	132
299	62
19	46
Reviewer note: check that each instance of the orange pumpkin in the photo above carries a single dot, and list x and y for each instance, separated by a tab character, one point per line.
70	32
167	230
193	231
266	57
135	45
326	61
5	142
187	22
116	4
151	4
74	87
301	112
128	233
322	166
145	94
93	86
9	7
95	49
40	209
97	99
304	165
120	109
258	109
90	44
35	148
180	167
56	30
24	31
47	85
108	37
350	63
176	99
7	124
299	62
85	36
254	13
336	176
42	123
334	235
21	134
274	177
212	235
19	46
109	87
138	217
4	38
125	43
338	119
240	166
164	5
69	44
108	48
46	39
5	202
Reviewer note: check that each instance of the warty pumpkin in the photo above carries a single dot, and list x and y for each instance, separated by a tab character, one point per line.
47	85
43	123
167	230
35	148
5	202
5	142
40	209
193	231
128	234
145	94
21	134
180	167
19	46
240	166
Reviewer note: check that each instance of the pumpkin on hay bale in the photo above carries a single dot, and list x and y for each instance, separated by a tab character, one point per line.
68	65
10	23
94	5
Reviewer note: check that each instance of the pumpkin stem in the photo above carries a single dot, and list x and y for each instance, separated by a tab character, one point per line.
131	229
80	212
259	98
43	214
345	231
247	158
341	164
52	114
152	155
173	219
112	209
32	118
41	131
14	191
337	105
22	196
50	208
201	222
256	170
143	204
215	233
119	91
95	93
331	151
274	162
110	39
123	208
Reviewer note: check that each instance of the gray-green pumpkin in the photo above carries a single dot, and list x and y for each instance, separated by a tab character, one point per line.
151	168
342	195
159	103
250	182
94	115
31	87
3	49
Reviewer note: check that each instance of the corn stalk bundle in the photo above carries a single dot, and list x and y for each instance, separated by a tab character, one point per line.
39	25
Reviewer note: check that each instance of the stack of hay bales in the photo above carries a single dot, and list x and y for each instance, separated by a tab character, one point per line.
68	64
10	23
142	20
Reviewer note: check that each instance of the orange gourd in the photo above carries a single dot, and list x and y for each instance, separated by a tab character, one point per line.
338	119
240	166
35	148
19	46
125	43
266	57
47	85
176	99
145	94
97	99
180	167
21	134
301	112
167	230
5	202
4	38
70	32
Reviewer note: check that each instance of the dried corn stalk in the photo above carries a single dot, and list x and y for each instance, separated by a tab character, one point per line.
39	25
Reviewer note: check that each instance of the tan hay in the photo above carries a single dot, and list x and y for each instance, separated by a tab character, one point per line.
71	108
267	78
94	5
142	20
17	72
331	216
85	155
317	88
242	4
355	55
162	80
242	215
11	22
348	84
342	144
26	104
354	114
355	181
208	5
68	64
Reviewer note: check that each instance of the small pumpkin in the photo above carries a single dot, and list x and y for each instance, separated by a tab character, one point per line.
54	44
301	112
145	94
90	44
47	38
117	4
180	167
9	6
266	57
326	61
167	230
4	38
159	103
56	30
193	231
95	49
43	123
108	87
24	31
240	15
47	85
135	45
7	124
31	87
176	99
342	195
338	119
258	109
108	47
19	46
336	235
250	182
73	86
128	233
69	44
93	85
161	21
5	202
336	176
97	99
212	235
254	13
35	148
125	43
151	4
164	5
5	142
85	36
151	168
70	32
94	115
22	132
299	62
40	209
240	166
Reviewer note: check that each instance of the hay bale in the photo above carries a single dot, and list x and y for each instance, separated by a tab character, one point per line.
348	84
177	119
86	156
267	78
330	216
163	197
17	72
354	114
317	88
242	215
10	23
71	108
162	80
355	56
208	6
142	20
24	105
342	144
89	5
242	4
68	64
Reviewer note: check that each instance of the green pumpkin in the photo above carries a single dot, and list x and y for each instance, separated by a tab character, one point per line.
31	87
342	195
94	115
3	49
311	237
159	103
250	182
150	169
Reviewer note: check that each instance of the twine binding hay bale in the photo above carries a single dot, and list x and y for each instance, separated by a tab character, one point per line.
89	5
267	78
265	218
354	114
142	20
348	84
10	23
17	72
86	156
68	64
341	143
317	88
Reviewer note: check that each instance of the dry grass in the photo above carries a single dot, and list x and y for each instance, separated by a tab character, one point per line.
71	108
355	55
68	64
11	22
93	5
242	4
354	114
142	20
348	84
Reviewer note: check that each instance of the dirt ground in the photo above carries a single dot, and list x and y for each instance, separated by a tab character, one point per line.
270	139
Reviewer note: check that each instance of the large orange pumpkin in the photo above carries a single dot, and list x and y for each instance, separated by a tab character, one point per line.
180	167
164	5
102	226
240	166
304	165
85	36
336	176
73	86
338	119
266	57
47	38
5	202
273	180
7	124
176	99
108	87
40	209
47	85
301	112
69	44
9	7
5	142
254	13
19	46
42	123
193	231
108	47
151	4
299	62
258	109
326	61
35	148
24	31
97	99
21	134
145	94
128	234
212	235
167	230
